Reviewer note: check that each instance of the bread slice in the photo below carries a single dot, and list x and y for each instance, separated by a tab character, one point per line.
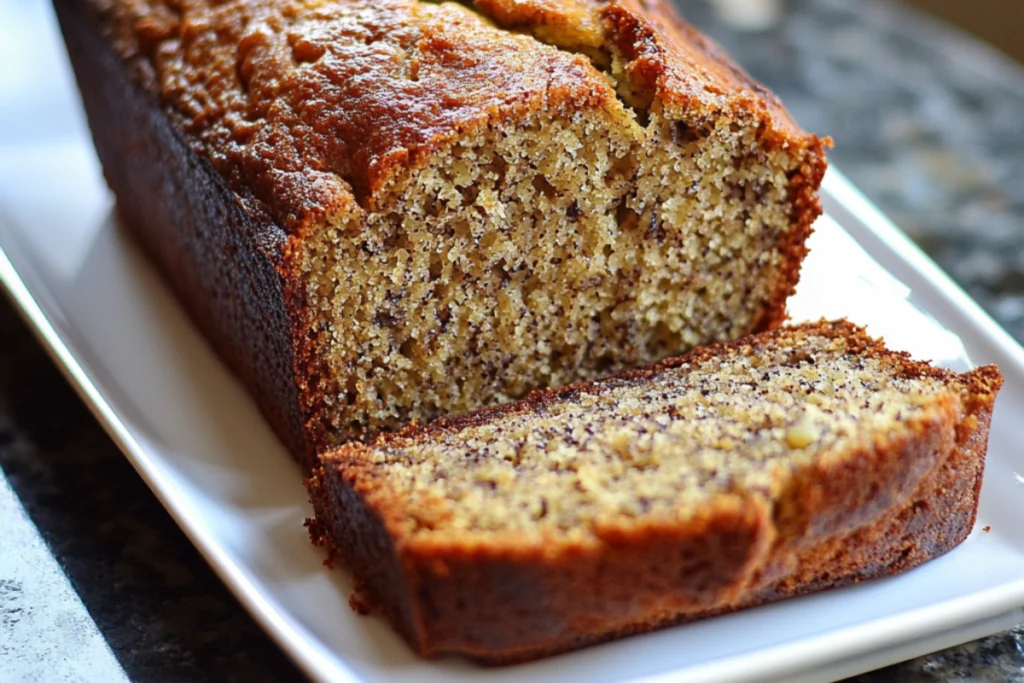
784	463
393	210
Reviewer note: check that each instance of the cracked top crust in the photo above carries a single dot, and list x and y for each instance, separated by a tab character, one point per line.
313	107
659	51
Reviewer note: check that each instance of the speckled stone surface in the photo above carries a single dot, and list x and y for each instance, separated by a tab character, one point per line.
96	581
36	598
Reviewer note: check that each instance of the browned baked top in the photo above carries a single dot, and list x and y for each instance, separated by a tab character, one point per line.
661	54
313	106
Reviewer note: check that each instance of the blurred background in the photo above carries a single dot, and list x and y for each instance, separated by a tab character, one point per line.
999	22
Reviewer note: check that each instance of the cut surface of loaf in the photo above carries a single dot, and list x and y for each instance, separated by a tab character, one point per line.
792	461
429	207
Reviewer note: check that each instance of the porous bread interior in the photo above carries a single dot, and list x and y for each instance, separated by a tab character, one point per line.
570	245
655	448
539	256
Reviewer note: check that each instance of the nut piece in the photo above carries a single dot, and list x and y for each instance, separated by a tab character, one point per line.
802	433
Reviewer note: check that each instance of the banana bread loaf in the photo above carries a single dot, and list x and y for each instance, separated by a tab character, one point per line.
391	210
788	462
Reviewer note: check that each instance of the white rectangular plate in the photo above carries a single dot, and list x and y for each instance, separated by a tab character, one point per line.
199	442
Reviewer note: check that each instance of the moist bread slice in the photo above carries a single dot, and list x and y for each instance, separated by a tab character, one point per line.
392	210
788	462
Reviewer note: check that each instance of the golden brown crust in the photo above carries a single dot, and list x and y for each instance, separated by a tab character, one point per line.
507	601
315	107
936	518
509	597
681	67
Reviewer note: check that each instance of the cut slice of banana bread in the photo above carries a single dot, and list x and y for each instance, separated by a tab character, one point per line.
393	210
788	462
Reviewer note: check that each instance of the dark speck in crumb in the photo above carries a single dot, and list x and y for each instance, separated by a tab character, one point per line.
655	230
683	134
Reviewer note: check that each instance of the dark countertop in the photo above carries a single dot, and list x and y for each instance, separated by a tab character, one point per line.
97	582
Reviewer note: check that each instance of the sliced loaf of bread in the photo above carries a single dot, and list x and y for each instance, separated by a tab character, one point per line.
396	210
784	463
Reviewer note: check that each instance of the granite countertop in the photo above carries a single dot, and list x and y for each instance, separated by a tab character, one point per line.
97	583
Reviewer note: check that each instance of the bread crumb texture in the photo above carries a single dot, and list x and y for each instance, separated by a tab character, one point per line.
658	446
